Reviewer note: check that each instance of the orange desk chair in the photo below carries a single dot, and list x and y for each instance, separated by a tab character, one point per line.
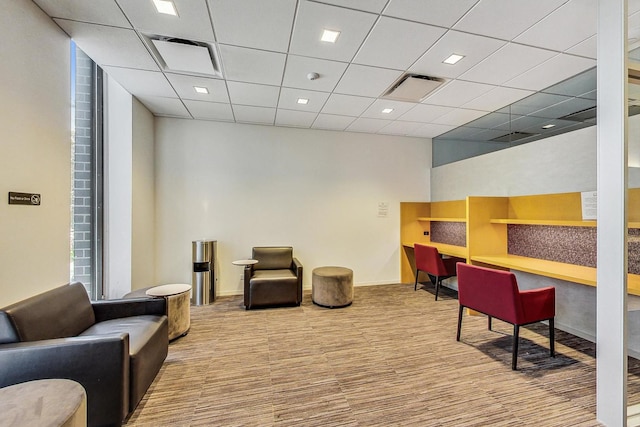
496	294
428	260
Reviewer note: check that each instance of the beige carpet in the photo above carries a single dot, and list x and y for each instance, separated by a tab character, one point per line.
390	359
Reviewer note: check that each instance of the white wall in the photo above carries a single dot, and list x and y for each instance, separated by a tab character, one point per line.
560	164
247	185
35	151
117	190
143	199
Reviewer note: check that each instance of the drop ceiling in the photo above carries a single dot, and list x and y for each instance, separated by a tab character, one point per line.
266	49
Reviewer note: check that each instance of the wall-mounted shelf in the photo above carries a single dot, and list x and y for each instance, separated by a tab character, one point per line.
552	222
441	219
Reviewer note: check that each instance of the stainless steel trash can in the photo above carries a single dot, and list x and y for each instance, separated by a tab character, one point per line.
203	278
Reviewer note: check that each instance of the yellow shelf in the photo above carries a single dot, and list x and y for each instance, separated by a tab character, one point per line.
442	219
563	222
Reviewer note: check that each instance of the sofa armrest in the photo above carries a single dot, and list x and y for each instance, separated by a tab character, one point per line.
297	267
118	308
99	363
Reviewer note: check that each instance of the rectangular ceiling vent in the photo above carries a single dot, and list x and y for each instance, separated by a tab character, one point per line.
186	56
412	88
513	136
588	114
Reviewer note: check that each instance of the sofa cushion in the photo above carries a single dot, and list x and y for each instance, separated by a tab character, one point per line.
148	347
272	257
59	313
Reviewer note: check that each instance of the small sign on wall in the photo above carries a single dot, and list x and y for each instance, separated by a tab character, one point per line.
32	199
589	205
383	209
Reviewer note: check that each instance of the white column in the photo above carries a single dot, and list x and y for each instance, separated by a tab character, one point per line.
611	354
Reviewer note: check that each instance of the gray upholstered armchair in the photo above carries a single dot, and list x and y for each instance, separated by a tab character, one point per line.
275	280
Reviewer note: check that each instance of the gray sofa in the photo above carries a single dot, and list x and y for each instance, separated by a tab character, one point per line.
114	348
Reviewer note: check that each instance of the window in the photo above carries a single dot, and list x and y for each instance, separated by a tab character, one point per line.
86	168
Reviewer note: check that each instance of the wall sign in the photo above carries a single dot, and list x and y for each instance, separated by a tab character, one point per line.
32	199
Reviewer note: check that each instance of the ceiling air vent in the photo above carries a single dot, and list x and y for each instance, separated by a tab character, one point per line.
582	115
412	88
186	56
513	136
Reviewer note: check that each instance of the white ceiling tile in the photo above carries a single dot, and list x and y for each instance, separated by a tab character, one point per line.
251	65
104	12
436	12
457	92
192	22
556	69
184	86
633	26
459	117
400	128
399	108
295	118
474	48
289	99
507	63
431	130
588	48
159	106
505	19
567	26
209	110
123	50
298	67
254	23
332	122
367	125
374	6
313	18
346	105
497	98
248	114
397	44
366	81
253	94
633	6
142	82
425	113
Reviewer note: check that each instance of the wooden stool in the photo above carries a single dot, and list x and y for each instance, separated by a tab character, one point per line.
332	287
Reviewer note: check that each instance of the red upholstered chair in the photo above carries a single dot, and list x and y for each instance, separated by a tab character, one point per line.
496	294
428	259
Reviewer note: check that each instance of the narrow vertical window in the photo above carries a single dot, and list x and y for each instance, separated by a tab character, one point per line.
86	160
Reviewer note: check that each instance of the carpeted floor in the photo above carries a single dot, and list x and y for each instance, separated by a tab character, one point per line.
390	359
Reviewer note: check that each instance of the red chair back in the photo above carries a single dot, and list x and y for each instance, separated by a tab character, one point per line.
493	292
428	260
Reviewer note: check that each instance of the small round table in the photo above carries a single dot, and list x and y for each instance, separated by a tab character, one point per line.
41	403
177	296
244	262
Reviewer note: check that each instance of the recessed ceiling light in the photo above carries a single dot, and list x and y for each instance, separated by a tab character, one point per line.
453	59
201	89
330	36
548	126
165	6
303	101
387	110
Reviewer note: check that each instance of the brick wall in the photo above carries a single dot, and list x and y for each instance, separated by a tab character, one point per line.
82	172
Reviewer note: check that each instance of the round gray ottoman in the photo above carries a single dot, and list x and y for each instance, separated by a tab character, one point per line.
332	287
44	403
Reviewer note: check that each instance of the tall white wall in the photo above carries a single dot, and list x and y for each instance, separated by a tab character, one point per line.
143	199
247	185
35	151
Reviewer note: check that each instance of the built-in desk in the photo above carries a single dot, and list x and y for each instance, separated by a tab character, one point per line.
444	249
